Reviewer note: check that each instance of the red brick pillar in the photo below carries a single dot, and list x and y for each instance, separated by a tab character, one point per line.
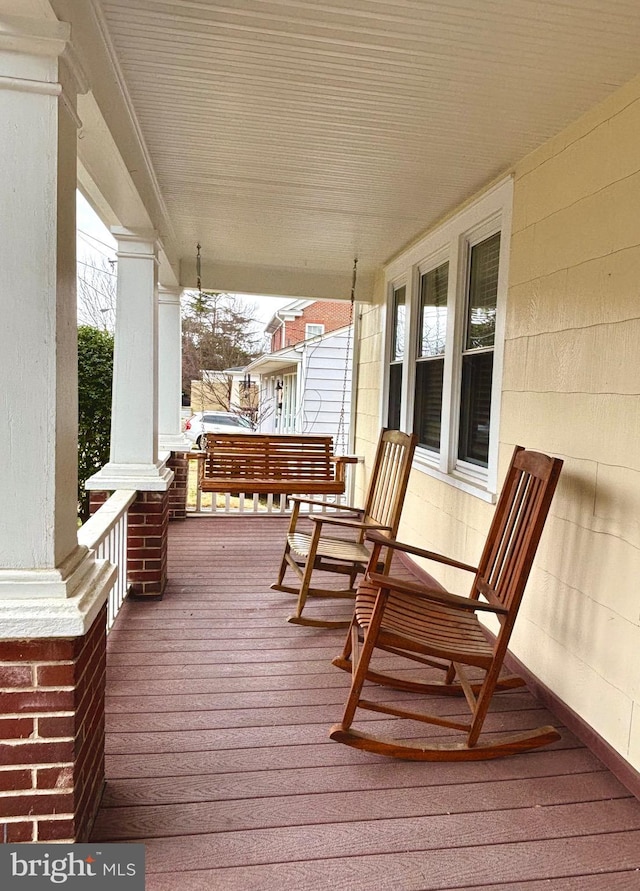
52	735
179	463
148	533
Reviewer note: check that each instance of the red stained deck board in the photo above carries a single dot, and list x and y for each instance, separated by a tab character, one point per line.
218	756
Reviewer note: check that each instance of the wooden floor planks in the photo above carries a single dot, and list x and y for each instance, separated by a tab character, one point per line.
218	756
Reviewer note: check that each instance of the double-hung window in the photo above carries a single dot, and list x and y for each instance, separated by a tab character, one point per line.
432	331
398	313
446	303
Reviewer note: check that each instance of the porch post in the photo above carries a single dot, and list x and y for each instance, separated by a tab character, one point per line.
171	438
52	591
134	462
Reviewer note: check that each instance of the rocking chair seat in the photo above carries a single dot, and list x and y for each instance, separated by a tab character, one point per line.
424	630
348	555
329	547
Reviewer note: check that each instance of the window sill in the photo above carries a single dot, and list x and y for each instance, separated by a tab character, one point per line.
472	485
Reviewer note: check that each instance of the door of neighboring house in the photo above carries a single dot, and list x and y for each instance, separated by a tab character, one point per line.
289	403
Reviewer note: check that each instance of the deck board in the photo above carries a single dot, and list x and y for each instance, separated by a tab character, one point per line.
218	756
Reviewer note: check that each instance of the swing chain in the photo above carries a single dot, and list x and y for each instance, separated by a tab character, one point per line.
341	445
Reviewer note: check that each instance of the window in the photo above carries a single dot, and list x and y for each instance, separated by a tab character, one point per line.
477	354
445	342
397	354
432	331
311	329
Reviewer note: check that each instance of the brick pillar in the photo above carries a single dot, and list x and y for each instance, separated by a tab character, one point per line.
96	500
52	735
179	463
148	533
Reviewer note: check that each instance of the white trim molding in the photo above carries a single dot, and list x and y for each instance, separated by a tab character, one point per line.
452	243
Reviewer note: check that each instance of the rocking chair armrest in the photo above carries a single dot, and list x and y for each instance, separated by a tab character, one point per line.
302	500
418	552
439	595
351	522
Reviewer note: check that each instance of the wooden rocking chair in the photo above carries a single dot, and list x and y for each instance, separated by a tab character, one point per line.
432	627
305	552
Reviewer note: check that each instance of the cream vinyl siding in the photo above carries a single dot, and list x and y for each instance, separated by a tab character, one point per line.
572	386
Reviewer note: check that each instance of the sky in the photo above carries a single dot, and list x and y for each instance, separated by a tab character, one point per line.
95	240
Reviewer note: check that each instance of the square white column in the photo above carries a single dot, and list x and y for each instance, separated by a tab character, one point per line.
133	458
48	584
171	437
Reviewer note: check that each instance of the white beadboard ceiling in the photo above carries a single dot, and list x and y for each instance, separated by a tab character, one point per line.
297	134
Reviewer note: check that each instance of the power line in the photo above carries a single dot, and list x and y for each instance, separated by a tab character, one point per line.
87	236
97	268
97	290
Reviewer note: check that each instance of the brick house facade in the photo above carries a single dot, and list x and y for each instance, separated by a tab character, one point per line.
288	325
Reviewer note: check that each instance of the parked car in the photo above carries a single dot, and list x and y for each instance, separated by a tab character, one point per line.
214	422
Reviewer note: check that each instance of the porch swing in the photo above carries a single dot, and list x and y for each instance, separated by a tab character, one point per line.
277	464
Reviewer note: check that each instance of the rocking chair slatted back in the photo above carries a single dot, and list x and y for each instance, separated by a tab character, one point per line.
517	525
388	483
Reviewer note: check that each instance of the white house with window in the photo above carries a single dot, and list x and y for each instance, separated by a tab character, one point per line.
306	388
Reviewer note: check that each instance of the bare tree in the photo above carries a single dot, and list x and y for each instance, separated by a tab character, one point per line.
97	293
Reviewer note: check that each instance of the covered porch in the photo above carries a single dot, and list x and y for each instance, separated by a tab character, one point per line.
218	756
288	139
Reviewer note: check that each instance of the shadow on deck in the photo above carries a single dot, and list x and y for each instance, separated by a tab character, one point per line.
218	757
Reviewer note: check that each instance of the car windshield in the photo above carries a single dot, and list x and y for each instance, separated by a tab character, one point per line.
225	420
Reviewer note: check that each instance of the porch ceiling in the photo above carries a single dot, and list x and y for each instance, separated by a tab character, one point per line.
289	136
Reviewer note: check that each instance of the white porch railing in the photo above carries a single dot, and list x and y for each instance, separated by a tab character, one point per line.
252	503
106	533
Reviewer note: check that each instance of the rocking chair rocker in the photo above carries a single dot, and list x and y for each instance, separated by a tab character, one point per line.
305	552
434	628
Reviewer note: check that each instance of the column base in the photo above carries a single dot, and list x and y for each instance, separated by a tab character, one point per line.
143	477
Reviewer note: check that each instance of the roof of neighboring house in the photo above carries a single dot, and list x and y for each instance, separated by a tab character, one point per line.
286	313
270	363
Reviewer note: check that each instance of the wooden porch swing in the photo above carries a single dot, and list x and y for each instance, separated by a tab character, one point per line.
278	463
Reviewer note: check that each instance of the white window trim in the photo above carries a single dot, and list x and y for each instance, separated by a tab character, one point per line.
452	242
307	335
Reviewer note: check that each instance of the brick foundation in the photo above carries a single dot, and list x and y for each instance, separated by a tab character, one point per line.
179	463
147	542
52	735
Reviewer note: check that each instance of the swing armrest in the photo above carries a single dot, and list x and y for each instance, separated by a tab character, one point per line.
439	595
377	538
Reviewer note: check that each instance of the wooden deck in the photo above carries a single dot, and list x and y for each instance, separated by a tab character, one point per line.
218	757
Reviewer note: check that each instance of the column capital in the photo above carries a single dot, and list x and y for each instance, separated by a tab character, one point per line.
34	37
169	295
136	242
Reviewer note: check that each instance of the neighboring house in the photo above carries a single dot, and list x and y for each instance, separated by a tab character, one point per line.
228	390
303	319
305	387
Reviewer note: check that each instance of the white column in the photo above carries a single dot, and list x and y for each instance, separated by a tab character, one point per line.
133	459
49	585
171	437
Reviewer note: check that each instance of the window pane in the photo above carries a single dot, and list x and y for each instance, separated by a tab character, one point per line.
483	292
395	393
433	311
475	408
428	402
398	324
